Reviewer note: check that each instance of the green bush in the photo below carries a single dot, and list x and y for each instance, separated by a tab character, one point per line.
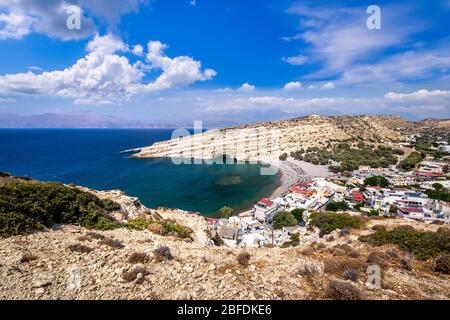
284	219
336	206
169	227
298	214
423	245
226	212
376	181
29	206
330	221
411	161
283	157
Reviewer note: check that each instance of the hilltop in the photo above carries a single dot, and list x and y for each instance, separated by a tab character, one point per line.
266	141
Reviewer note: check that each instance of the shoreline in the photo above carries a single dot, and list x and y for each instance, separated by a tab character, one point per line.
294	172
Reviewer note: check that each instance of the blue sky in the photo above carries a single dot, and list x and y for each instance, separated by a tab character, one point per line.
225	61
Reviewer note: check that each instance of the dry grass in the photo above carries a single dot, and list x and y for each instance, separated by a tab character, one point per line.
156	228
138	257
378	258
113	243
79	248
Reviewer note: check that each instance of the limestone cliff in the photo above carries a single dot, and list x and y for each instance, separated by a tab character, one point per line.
267	141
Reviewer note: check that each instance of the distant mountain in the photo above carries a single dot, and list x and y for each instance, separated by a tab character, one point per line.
79	119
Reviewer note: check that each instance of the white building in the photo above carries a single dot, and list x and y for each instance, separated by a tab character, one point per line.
265	210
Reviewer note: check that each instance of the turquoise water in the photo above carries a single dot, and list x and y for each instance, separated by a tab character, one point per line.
92	158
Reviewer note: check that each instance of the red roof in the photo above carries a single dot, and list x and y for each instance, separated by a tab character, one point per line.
357	196
304	184
212	220
266	202
411	210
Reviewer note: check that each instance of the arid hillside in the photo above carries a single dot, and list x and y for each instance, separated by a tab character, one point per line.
268	140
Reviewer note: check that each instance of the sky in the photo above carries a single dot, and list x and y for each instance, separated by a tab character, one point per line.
225	62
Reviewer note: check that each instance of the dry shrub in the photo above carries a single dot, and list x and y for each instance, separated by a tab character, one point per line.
339	265
379	227
442	264
405	264
79	248
138	257
404	227
95	235
341	290
133	274
84	238
243	258
162	253
392	253
444	230
378	258
156	228
113	243
321	246
351	274
337	252
344	232
309	269
308	251
28	257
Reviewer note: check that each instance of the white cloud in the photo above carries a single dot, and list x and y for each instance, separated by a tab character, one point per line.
418	104
296	60
193	3
138	50
327	86
415	65
107	44
106	77
246	87
293	85
420	95
19	18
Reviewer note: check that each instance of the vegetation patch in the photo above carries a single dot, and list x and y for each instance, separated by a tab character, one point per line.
28	257
411	161
162	253
79	248
167	227
28	207
423	245
138	257
284	219
336	206
330	221
113	243
243	258
342	290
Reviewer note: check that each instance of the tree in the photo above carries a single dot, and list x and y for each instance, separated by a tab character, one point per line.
283	157
284	219
336	206
298	214
376	181
226	212
437	186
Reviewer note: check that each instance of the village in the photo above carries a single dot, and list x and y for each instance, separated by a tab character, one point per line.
367	191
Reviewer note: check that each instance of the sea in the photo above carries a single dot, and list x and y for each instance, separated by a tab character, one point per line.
93	158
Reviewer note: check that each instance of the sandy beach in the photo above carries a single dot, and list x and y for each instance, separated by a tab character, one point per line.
294	172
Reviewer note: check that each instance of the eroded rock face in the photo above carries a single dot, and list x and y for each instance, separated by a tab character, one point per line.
267	141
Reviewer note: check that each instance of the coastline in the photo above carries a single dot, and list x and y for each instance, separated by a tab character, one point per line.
294	172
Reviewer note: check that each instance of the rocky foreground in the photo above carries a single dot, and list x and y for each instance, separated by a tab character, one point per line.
69	262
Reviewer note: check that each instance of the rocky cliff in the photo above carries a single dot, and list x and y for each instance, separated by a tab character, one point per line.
267	141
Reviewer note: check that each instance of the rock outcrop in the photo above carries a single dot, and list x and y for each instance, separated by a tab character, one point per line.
267	141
